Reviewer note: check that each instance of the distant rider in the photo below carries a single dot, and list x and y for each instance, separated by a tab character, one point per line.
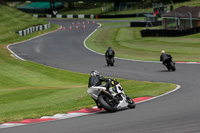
165	58
96	80
109	53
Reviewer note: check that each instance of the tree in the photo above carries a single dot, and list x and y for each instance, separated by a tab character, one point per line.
171	1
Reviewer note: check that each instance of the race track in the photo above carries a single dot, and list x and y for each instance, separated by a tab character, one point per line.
178	112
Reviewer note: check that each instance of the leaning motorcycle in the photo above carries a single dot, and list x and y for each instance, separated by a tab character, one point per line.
111	100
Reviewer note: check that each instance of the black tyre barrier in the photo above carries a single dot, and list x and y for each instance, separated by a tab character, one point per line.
144	23
124	15
169	33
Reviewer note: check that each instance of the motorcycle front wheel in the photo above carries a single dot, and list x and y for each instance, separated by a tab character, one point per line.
112	62
131	103
107	103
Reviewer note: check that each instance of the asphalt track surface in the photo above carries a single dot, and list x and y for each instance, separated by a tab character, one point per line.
178	112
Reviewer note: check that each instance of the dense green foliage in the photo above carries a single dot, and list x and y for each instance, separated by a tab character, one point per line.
108	8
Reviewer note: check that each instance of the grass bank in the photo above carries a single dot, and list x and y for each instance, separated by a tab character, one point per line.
31	90
128	43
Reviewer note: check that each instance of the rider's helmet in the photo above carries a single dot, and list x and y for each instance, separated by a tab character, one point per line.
162	52
94	73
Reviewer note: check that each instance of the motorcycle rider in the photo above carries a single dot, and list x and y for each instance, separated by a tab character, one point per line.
165	58
96	80
109	54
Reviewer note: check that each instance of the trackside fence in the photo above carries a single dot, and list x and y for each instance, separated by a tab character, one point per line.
33	29
169	33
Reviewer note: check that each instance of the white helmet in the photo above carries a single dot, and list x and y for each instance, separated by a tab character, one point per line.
94	73
162	51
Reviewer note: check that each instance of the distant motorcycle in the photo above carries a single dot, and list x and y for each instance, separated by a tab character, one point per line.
110	61
111	102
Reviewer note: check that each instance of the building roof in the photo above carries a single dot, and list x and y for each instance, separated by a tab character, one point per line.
184	12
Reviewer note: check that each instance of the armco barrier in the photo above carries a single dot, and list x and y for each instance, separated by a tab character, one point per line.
33	29
169	33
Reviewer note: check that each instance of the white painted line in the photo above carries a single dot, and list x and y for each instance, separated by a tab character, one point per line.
65	116
187	62
62	116
78	114
50	117
6	125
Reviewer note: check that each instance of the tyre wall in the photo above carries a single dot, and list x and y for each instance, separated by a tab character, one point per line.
169	33
144	23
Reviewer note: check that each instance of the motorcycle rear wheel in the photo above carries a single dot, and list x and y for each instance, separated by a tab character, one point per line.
107	103
173	66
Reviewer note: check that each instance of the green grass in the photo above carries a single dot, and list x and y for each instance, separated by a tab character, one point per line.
31	90
128	43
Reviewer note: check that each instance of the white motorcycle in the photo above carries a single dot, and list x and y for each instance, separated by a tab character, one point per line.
112	100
